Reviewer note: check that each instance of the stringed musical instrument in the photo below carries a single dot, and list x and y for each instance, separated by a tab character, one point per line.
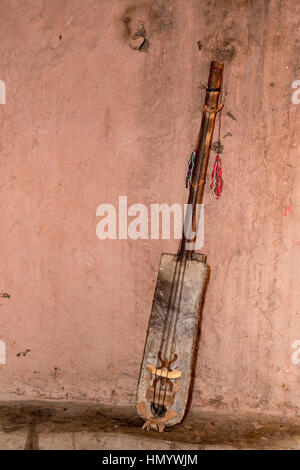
165	374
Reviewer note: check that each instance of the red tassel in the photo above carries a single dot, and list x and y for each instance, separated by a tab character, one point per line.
216	178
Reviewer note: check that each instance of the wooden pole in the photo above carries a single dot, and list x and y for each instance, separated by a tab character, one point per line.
210	109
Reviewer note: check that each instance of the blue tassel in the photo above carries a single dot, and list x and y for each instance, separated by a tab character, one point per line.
189	173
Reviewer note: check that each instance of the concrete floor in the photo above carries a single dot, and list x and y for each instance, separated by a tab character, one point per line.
79	425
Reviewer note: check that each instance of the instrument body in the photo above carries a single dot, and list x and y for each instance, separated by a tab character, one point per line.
192	287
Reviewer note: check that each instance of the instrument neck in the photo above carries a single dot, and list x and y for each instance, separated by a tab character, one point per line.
202	150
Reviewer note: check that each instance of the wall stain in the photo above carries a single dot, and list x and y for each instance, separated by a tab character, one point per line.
5	295
225	51
24	353
127	19
229	114
161	16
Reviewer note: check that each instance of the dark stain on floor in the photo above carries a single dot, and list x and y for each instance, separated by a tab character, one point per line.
201	429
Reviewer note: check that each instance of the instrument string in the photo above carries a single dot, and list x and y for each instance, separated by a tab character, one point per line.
167	323
177	309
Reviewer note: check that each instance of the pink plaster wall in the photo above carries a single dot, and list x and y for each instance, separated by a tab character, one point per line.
87	118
